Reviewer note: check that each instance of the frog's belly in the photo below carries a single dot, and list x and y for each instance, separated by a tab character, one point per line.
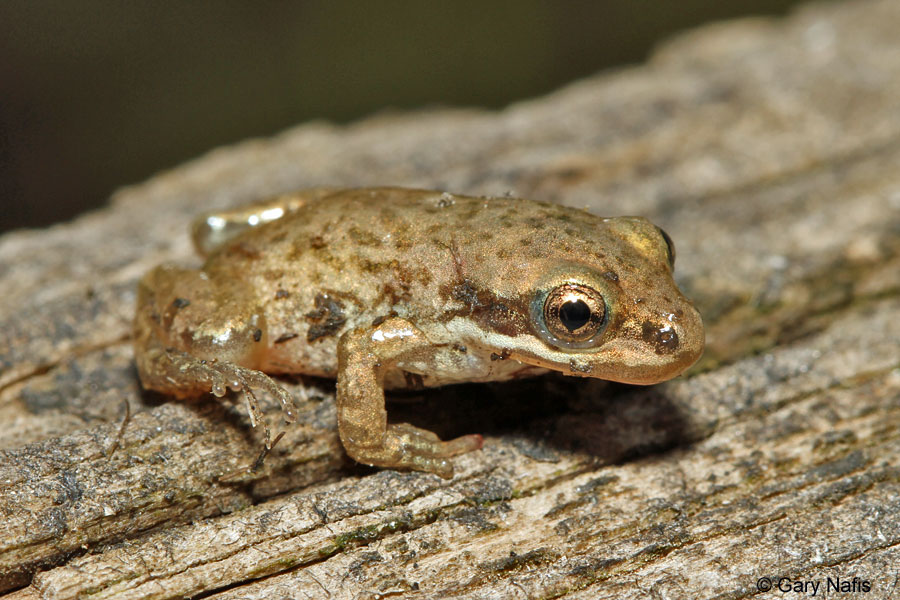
449	365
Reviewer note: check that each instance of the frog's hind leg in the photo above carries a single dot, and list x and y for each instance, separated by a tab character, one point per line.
186	346
211	230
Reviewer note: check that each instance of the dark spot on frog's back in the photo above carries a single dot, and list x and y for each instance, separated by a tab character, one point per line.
424	276
535	222
504	253
506	222
465	292
273	275
397	288
326	319
388	214
662	337
401	242
363	237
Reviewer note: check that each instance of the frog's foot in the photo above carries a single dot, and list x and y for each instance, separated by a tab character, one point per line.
223	374
408	447
183	375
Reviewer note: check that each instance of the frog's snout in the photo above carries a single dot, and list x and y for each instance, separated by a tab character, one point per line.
649	348
671	342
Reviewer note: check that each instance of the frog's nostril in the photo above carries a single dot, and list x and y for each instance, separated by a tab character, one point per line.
662	336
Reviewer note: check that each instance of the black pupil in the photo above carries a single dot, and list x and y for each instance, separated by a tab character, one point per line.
574	314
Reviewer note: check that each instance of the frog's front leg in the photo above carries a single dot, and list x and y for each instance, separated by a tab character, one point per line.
364	356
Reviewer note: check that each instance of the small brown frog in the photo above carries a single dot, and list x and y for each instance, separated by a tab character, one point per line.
389	287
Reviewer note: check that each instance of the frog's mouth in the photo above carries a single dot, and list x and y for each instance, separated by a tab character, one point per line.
612	366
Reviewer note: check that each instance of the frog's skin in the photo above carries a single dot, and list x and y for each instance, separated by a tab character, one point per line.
393	288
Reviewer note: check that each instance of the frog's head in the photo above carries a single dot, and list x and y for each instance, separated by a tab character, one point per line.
602	303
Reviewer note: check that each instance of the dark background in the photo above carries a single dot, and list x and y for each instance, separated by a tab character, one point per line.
94	95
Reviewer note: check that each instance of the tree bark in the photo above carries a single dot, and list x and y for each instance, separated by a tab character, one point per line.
767	149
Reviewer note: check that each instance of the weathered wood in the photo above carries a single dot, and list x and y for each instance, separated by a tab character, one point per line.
767	149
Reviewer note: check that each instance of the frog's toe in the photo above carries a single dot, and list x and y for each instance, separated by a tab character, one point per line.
287	405
427	443
222	380
259	380
218	385
462	444
423	450
203	372
222	376
439	466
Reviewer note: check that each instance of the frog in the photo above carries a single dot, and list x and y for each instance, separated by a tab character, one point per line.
394	288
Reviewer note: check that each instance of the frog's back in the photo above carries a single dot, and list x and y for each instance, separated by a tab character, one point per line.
353	256
347	259
376	241
365	243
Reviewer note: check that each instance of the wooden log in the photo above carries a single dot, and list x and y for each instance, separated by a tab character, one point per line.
766	148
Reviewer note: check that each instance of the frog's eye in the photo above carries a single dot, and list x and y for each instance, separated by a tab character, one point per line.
574	313
670	247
